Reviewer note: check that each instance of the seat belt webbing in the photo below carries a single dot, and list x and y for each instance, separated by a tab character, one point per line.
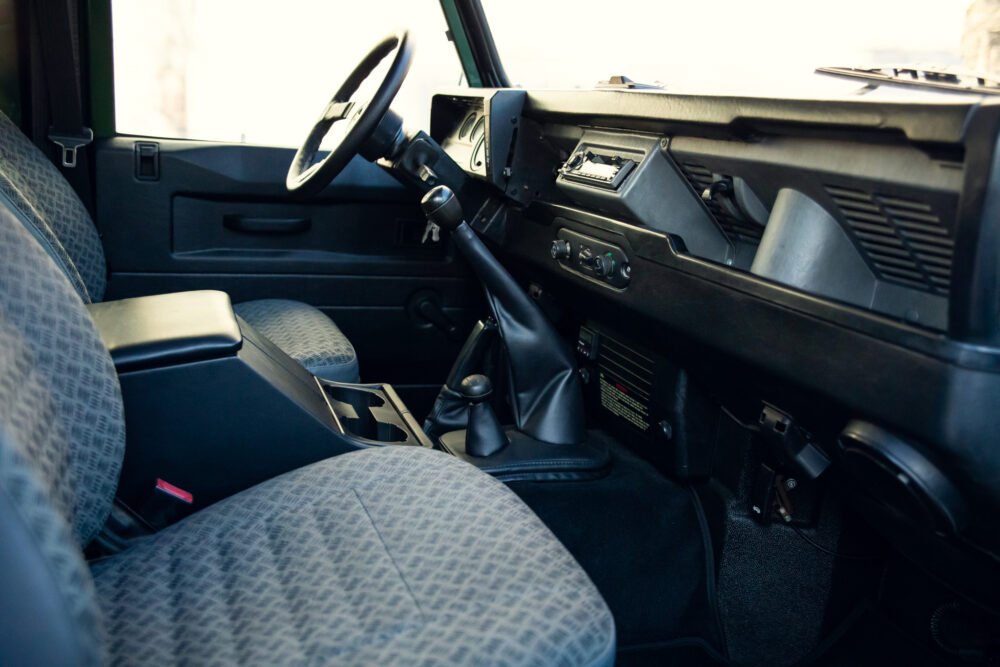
62	76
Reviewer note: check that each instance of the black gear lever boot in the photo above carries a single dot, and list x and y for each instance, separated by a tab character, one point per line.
546	395
483	435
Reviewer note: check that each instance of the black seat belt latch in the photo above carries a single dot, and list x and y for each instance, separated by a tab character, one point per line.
70	143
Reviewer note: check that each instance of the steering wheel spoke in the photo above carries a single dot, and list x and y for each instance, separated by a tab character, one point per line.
308	176
338	110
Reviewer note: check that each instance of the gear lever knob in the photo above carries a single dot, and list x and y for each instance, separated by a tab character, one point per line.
442	207
483	436
476	388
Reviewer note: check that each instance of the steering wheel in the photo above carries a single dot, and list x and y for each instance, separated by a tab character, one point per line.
308	177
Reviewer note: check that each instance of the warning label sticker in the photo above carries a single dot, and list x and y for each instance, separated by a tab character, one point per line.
617	399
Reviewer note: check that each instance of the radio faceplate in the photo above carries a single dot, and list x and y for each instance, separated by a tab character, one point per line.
597	167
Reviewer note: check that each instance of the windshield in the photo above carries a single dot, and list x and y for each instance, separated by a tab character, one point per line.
734	46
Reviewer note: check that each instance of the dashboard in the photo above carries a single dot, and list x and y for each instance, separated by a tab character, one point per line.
846	249
866	221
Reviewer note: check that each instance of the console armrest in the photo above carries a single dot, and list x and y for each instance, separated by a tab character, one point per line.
167	329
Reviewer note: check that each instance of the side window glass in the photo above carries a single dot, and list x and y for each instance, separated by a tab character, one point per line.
261	72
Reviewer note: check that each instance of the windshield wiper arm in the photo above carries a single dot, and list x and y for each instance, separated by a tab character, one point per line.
940	78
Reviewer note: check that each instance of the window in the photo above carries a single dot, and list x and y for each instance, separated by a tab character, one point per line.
261	72
727	46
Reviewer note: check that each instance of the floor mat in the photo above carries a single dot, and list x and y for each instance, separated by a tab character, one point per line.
675	654
637	535
874	641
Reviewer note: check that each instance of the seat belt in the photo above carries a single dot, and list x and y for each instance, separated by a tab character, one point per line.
60	65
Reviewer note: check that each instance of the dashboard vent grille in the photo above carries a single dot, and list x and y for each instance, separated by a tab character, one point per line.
905	241
700	178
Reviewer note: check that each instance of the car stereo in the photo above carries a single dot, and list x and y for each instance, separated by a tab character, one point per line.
599	168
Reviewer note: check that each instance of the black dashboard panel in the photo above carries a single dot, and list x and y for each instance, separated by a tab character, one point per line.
942	122
918	383
837	258
844	218
893	208
874	227
893	178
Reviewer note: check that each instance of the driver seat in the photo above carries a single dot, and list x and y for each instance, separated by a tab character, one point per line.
49	208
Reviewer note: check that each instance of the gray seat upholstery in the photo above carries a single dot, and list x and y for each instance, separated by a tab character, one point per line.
388	556
305	334
396	555
46	204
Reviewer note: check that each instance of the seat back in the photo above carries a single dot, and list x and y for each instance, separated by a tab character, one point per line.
47	205
62	436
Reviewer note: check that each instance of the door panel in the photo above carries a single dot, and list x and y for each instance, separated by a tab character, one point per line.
217	217
301	232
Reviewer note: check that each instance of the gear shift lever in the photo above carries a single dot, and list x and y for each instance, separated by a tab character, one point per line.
546	396
442	207
483	436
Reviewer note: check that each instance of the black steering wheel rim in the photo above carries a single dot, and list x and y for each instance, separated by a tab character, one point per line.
308	177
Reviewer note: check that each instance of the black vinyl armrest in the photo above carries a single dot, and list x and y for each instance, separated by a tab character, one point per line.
167	329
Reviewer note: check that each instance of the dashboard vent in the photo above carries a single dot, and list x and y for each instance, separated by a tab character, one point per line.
904	239
701	178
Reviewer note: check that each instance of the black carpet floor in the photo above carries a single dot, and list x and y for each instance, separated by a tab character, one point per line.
637	534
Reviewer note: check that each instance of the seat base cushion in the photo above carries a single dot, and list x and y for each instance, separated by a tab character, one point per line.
305	334
394	555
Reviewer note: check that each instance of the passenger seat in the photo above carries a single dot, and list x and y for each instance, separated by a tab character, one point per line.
387	556
48	207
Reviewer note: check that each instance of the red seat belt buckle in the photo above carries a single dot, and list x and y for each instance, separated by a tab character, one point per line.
175	491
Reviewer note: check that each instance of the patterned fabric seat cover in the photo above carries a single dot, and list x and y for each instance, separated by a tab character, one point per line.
387	556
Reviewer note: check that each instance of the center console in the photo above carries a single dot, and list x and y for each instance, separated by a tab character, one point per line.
372	414
212	407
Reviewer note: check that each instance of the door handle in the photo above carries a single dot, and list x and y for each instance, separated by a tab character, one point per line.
245	224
